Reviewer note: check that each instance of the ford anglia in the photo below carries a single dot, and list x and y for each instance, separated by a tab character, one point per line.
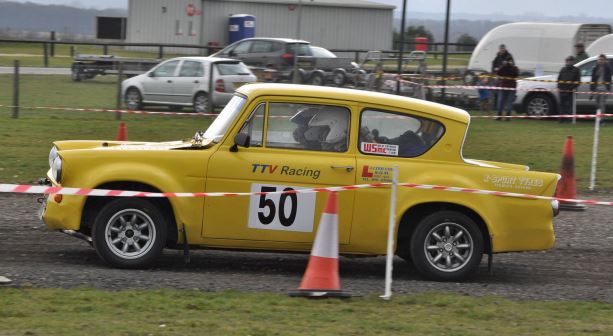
278	137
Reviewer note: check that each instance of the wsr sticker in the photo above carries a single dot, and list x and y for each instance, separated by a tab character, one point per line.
284	212
381	149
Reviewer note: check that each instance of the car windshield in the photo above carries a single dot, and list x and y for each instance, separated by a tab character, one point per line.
321	52
225	119
233	69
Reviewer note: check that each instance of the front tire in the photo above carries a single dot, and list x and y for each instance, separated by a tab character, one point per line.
134	99
129	233
317	79
446	246
339	78
539	104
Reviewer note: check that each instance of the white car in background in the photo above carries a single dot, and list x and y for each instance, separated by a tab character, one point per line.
184	81
546	102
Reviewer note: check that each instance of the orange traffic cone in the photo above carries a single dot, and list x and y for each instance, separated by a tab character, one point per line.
321	276
122	132
567	186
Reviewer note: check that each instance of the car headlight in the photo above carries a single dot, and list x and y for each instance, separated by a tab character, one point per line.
56	169
52	155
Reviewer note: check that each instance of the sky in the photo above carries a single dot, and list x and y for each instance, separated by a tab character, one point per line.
548	8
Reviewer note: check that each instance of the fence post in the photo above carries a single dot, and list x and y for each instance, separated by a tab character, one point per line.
16	90
46	54
72	51
119	77
595	150
357	57
160	52
105	49
52	38
210	107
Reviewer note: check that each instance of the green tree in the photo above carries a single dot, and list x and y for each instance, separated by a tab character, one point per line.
411	33
466	39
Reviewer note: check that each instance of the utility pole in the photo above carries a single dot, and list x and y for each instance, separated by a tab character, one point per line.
445	51
295	76
401	47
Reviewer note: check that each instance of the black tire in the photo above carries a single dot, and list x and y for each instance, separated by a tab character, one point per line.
455	255
538	104
76	75
301	76
129	233
470	78
339	78
133	99
201	102
317	79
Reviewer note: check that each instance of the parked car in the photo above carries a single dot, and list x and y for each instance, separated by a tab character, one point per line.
541	103
274	53
284	137
184	81
330	68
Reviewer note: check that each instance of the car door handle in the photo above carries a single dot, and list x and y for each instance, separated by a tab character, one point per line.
348	168
169	81
196	81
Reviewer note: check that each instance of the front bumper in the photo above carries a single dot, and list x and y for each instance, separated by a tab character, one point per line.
62	215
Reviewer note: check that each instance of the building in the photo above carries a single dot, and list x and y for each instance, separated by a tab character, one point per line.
332	24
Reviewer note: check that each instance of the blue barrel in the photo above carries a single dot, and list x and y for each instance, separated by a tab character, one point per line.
241	26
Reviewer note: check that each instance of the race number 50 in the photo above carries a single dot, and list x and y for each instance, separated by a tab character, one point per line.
285	212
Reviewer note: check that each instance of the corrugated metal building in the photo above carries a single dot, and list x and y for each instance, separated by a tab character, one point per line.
333	24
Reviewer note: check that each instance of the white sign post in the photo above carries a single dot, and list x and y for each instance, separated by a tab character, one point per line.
390	236
595	150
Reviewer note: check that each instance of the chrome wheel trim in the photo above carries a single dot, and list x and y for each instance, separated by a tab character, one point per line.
317	80
338	78
538	107
133	99
130	234
201	103
448	247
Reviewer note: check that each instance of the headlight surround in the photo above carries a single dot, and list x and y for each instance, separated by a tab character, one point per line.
52	155
56	169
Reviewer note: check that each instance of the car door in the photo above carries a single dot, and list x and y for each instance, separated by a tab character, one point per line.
260	51
191	77
583	98
291	148
242	52
158	86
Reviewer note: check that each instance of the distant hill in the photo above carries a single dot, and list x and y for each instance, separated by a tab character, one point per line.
65	20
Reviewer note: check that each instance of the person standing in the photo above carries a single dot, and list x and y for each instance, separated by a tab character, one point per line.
601	81
568	81
502	55
580	53
507	74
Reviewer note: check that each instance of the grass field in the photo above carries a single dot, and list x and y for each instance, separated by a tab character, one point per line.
185	312
26	141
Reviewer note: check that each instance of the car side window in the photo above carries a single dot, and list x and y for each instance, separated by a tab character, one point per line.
254	126
261	47
308	126
586	69
394	134
191	69
167	69
242	48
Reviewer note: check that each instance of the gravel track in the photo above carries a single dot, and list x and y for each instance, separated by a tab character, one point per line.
580	267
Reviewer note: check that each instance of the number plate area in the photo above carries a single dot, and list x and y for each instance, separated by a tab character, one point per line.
282	212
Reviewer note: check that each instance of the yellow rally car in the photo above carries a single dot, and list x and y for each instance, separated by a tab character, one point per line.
273	137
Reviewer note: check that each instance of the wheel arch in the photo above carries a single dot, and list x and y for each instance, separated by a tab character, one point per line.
413	215
93	203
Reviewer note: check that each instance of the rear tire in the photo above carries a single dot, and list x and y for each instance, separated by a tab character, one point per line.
317	79
201	102
129	233
339	78
446	246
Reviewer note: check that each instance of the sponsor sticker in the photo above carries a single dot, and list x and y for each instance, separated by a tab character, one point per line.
514	182
281	212
379	149
376	174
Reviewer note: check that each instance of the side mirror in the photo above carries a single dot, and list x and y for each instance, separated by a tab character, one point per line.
241	139
232	53
151	74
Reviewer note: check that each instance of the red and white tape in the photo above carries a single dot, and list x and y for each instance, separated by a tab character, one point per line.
30	189
111	110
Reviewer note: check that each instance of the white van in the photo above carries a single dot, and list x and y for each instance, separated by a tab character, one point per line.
537	48
603	45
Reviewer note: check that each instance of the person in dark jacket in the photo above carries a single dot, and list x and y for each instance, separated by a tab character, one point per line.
580	53
568	81
601	81
507	74
502	55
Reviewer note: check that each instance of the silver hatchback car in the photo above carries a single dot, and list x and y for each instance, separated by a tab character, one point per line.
186	81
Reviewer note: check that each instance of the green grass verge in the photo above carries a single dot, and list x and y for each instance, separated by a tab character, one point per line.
189	312
26	141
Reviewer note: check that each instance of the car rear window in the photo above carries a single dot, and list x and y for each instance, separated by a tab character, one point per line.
304	49
226	69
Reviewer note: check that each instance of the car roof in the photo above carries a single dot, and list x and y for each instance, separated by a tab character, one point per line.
609	56
419	105
278	39
206	59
